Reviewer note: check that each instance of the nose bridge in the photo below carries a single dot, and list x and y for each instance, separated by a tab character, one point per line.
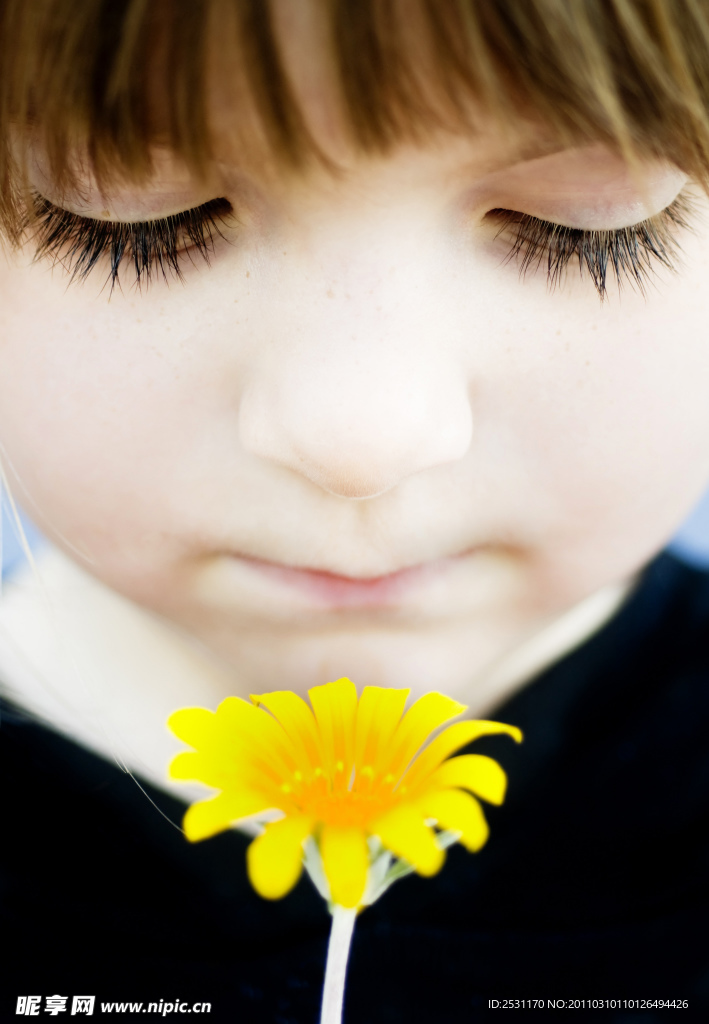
364	390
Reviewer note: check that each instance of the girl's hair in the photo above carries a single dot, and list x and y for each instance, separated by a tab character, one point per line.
112	78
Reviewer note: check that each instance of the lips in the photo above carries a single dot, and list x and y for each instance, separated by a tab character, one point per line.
331	590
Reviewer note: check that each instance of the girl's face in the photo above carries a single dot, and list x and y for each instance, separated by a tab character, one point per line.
359	384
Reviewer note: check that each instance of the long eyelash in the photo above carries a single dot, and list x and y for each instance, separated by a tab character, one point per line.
631	254
153	246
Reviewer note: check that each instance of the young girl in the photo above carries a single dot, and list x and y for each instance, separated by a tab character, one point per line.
359	339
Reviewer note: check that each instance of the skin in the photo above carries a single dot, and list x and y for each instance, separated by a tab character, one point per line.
361	383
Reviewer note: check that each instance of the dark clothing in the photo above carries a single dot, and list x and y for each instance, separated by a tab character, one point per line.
594	884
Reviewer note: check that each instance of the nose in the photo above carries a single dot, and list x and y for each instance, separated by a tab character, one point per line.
356	415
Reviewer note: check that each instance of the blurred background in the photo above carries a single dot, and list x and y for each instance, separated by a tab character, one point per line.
691	542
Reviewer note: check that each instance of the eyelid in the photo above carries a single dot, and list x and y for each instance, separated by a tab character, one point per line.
180	210
604	220
631	253
79	243
591	188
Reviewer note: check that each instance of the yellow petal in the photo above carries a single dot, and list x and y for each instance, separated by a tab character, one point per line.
274	860
335	707
460	812
251	733
232	775
208	817
297	720
345	857
427	714
403	831
198	767
193	725
237	717
378	714
451	739
475	772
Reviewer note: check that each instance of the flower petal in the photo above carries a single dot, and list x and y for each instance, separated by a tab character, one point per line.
196	766
404	832
480	774
241	717
453	738
335	707
460	812
297	719
345	857
378	714
246	731
232	773
195	726
274	860
427	714
208	817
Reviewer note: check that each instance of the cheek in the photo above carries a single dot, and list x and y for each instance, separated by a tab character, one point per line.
95	413
607	423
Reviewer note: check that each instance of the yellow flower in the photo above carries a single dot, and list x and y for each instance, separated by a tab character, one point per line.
341	773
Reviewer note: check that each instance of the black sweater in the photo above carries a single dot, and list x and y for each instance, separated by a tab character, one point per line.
594	884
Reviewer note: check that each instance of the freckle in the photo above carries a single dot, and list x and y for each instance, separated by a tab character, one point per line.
105	213
248	273
558	333
330	293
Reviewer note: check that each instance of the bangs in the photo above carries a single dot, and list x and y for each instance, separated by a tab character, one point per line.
116	77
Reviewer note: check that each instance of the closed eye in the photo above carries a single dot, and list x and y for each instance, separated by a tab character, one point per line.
153	247
630	254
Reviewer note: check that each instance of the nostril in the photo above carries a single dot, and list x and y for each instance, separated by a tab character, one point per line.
346	479
352	449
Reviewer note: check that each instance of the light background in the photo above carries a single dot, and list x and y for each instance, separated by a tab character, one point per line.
691	542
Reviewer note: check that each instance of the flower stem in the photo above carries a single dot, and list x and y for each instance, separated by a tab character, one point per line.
338	952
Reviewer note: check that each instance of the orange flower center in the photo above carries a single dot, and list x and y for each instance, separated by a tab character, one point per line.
335	799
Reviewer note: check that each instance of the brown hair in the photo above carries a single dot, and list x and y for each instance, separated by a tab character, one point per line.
631	73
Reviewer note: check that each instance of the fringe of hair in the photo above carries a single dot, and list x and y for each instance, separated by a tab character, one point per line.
82	77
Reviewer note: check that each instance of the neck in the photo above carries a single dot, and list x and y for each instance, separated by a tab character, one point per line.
516	668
